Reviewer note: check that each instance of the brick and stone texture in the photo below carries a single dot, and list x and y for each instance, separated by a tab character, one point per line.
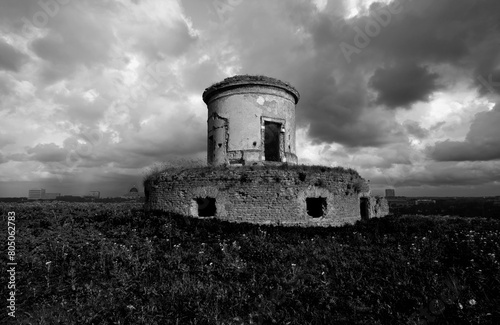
265	194
253	174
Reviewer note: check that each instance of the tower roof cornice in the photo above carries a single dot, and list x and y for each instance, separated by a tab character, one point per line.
248	80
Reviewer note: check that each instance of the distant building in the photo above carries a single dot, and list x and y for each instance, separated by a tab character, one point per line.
50	196
40	194
93	195
390	192
424	201
133	193
399	202
13	199
36	194
71	198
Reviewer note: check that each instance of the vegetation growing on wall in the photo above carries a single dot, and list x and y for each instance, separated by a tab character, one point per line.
358	186
176	166
196	166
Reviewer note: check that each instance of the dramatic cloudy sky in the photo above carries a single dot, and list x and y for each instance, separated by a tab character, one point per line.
93	92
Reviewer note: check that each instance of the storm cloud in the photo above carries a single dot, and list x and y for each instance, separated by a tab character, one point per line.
411	99
403	85
11	58
46	153
482	143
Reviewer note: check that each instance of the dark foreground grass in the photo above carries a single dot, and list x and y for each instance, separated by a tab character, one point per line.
112	264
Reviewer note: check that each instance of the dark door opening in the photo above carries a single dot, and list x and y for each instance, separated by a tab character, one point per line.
316	206
363	208
272	141
206	207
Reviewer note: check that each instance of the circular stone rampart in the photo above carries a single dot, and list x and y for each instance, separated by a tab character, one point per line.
284	195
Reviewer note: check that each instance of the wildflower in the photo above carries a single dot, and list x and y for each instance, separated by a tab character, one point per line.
460	306
130	307
472	302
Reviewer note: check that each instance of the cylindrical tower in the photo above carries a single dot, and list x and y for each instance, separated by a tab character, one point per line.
251	120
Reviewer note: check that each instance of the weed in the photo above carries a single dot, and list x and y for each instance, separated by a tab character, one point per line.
85	263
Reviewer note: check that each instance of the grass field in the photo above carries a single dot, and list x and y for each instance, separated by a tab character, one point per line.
88	263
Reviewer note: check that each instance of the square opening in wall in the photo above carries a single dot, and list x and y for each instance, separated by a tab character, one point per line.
206	206
316	206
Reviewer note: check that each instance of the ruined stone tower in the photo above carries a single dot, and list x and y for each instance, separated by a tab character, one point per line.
253	175
251	120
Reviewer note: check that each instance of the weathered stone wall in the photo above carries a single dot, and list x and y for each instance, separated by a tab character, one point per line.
238	109
263	194
379	207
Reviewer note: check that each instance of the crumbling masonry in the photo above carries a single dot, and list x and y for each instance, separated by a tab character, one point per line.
253	174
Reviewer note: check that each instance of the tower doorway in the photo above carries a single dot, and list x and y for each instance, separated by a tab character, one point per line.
272	141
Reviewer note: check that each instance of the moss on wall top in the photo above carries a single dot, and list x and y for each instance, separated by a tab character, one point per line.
241	80
306	169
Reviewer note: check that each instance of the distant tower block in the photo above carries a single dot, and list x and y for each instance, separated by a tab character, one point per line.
390	192
251	120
